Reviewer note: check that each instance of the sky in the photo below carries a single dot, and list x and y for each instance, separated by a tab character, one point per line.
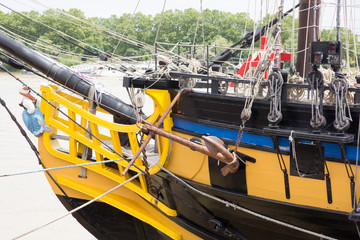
106	8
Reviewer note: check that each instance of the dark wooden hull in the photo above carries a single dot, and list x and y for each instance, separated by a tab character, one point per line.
106	222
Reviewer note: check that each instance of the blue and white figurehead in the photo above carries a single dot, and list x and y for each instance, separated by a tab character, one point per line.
32	117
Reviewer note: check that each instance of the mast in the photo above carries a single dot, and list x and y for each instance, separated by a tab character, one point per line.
308	16
338	20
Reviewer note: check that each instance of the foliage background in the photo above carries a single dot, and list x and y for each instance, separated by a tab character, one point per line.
220	28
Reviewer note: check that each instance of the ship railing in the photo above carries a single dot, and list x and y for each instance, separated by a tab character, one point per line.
73	129
237	87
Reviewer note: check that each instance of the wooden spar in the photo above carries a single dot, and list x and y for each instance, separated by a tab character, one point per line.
312	32
151	134
68	78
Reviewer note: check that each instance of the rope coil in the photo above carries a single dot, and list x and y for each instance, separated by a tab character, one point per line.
339	86
316	80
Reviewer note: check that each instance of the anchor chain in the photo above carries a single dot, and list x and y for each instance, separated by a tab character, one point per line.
151	189
275	86
239	136
339	86
138	101
316	81
31	144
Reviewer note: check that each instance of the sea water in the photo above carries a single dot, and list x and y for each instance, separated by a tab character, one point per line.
27	201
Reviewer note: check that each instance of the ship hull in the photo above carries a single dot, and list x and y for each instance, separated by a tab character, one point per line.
107	222
264	207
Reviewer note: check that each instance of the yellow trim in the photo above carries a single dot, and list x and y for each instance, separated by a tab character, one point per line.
126	203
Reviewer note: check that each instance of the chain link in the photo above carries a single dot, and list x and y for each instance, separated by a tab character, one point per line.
151	189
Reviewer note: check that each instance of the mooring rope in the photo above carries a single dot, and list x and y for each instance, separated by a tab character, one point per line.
78	208
233	205
58	168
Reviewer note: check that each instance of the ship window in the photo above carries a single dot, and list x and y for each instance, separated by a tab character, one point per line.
308	160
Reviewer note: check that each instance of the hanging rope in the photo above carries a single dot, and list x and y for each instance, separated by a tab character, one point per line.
293	149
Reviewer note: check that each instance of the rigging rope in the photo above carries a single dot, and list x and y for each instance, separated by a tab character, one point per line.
127	26
57	32
306	38
112	34
202	22
292	65
352	13
316	81
347	38
37	39
196	27
129	40
339	86
39	46
244	32
71	119
275	79
161	17
141	172
134	42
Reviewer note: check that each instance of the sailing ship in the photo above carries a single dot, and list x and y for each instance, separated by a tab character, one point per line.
250	155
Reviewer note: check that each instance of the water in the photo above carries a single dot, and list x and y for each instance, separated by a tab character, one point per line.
27	201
